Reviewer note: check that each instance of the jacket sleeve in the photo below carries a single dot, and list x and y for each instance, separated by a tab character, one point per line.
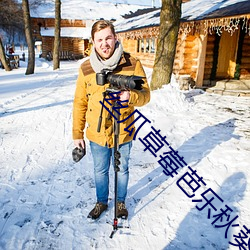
80	106
141	97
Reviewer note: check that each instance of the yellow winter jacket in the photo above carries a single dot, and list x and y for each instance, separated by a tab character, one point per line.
87	106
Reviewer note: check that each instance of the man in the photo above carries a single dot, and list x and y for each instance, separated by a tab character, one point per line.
107	54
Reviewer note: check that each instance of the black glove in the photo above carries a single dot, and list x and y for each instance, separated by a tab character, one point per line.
78	153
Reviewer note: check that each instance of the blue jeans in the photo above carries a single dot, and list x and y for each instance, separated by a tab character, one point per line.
102	158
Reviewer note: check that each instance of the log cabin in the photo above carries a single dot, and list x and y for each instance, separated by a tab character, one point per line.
77	19
74	37
213	41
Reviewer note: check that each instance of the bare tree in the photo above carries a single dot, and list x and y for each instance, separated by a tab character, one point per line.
28	33
11	16
3	57
168	34
56	59
11	24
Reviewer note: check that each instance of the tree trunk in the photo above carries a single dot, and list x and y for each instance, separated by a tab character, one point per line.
3	57
168	34
56	59
28	33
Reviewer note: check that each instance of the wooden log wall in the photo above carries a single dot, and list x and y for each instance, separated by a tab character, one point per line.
190	56
73	45
209	57
178	61
186	55
66	44
79	46
47	45
50	22
185	59
131	46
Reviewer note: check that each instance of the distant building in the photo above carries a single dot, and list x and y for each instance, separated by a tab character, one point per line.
77	19
75	36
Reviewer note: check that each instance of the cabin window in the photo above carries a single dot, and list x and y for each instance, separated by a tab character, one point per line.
152	45
140	45
146	45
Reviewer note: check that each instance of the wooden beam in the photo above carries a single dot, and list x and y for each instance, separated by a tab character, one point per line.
201	60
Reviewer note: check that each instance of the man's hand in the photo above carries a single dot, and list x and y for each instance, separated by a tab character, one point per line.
79	143
124	95
79	151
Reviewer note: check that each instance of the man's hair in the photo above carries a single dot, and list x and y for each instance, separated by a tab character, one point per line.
101	24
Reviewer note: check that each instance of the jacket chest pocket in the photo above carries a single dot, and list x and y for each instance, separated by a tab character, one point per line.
126	115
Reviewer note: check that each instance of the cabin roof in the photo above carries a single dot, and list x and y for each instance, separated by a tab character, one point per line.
193	10
208	9
140	21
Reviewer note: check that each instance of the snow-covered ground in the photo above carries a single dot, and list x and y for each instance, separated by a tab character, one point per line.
45	197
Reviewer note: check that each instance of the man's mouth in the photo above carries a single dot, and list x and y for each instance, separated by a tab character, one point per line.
105	50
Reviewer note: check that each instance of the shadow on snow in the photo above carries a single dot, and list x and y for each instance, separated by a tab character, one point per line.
193	152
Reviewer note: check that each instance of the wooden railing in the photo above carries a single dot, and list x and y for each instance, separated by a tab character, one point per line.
64	55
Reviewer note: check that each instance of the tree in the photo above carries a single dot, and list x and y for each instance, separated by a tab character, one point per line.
11	18
3	57
10	24
29	39
168	34
56	59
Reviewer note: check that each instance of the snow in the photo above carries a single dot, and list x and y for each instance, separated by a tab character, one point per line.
145	20
84	33
197	9
45	196
86	10
192	10
108	9
155	3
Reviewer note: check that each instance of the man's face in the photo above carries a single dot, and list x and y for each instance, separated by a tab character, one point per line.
104	42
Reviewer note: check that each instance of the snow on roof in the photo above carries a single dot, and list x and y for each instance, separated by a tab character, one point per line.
80	32
192	10
197	9
85	10
145	20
